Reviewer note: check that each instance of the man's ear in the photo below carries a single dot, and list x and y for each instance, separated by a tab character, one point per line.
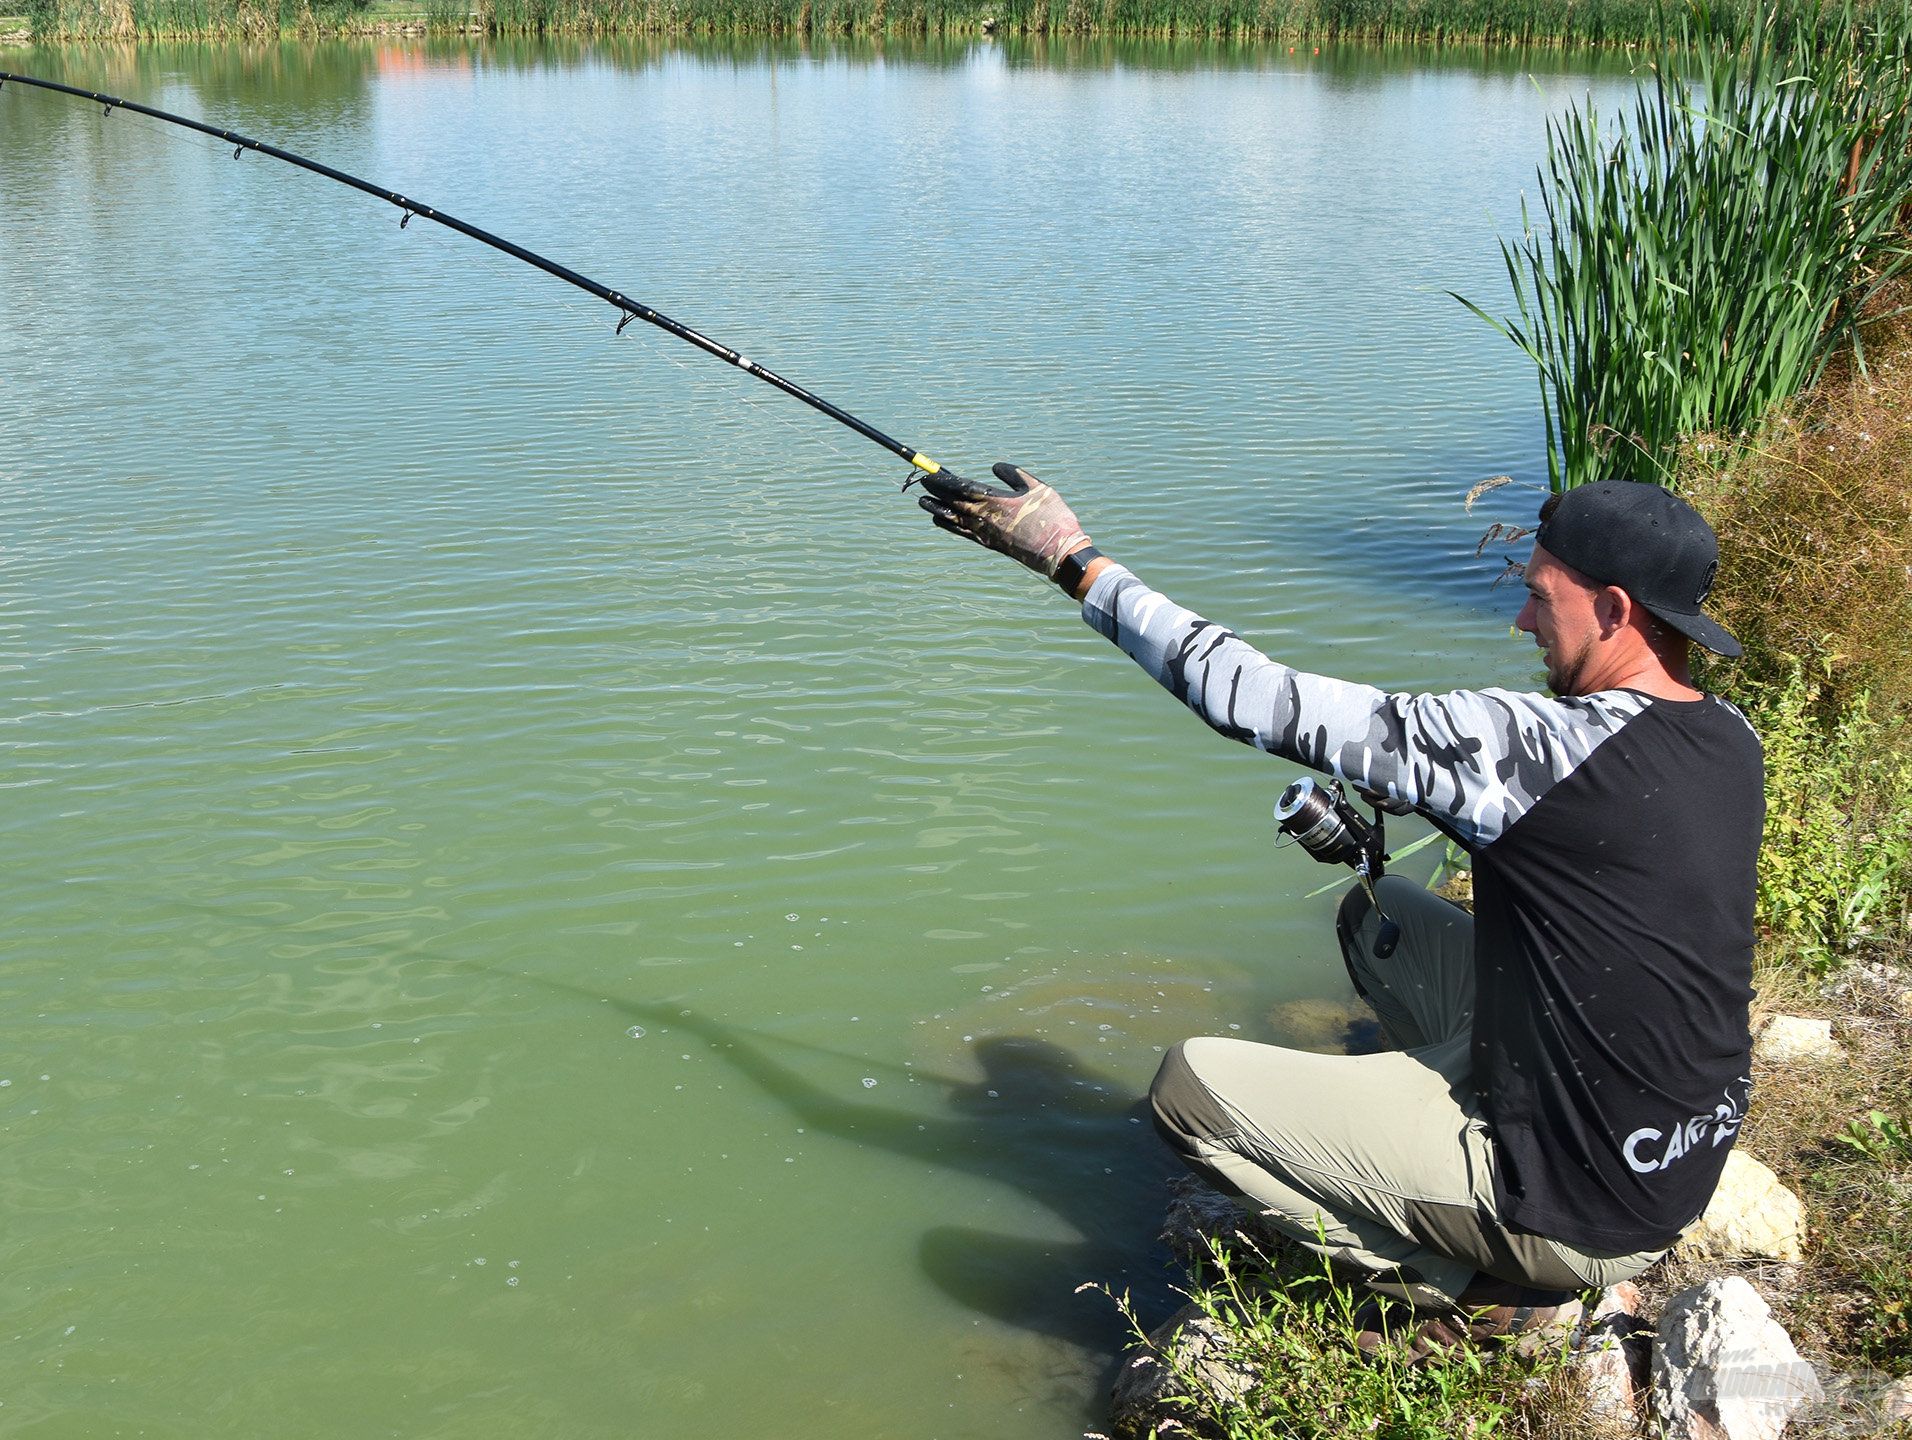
1612	610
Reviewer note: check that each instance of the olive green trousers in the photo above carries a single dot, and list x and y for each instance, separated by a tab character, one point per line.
1382	1163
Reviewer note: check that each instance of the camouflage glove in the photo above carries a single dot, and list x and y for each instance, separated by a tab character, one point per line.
1028	522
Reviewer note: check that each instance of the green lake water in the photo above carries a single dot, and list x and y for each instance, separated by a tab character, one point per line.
543	899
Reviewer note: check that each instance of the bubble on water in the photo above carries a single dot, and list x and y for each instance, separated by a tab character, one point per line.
513	1264
1233	1026
636	1032
511	1279
869	1083
70	1329
46	1077
793	918
477	1259
796	947
1105	1027
378	1024
968	1038
4	1084
993	1095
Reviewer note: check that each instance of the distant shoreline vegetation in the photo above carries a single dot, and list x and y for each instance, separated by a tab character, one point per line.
1511	23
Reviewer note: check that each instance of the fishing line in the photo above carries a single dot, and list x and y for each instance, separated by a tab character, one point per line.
628	309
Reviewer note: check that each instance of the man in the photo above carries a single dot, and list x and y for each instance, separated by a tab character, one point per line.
1571	1063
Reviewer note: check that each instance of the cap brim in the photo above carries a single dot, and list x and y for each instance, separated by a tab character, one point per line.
1702	630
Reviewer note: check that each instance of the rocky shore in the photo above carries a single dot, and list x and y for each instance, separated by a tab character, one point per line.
1762	1321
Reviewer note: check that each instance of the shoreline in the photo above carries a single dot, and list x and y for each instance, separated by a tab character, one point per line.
869	20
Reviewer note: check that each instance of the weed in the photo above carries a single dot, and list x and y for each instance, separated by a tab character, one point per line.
1877	1138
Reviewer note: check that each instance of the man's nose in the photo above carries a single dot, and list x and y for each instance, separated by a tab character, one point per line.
1525	619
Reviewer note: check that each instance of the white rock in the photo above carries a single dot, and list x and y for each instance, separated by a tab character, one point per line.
1616	1301
1611	1358
1751	1216
1725	1369
1792	1039
1605	1370
1895	1402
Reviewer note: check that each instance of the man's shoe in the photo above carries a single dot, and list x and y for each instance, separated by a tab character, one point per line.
1496	1312
1488	1312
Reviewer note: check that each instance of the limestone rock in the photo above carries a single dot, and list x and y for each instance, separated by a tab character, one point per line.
1725	1369
1895	1402
1793	1039
1185	1357
1605	1371
1614	1353
1751	1216
1198	1212
1617	1302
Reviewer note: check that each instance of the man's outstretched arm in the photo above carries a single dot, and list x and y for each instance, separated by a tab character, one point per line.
1472	761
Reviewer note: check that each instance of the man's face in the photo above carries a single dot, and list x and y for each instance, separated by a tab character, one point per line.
1560	615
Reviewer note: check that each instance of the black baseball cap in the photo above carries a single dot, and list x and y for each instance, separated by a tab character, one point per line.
1646	540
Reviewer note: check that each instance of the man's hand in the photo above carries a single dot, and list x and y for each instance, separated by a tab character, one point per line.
1027	522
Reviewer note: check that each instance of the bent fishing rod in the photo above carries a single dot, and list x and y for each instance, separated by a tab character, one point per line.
628	308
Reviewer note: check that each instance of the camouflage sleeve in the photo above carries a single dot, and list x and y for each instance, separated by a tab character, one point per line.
1472	761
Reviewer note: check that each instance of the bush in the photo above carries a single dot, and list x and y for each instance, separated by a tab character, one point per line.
1815	523
1836	864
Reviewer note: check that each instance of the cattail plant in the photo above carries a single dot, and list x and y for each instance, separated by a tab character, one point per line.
1705	255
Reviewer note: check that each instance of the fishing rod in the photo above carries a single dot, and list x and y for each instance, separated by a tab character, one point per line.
628	308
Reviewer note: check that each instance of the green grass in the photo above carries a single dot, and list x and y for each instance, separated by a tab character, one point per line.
1703	256
1285	1321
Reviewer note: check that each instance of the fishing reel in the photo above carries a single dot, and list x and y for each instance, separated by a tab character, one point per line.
1325	823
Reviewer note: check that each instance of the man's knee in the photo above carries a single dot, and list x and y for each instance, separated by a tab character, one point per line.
1185	1110
1189	1118
1348	919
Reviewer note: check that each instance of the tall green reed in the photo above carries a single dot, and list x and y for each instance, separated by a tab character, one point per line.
1706	254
